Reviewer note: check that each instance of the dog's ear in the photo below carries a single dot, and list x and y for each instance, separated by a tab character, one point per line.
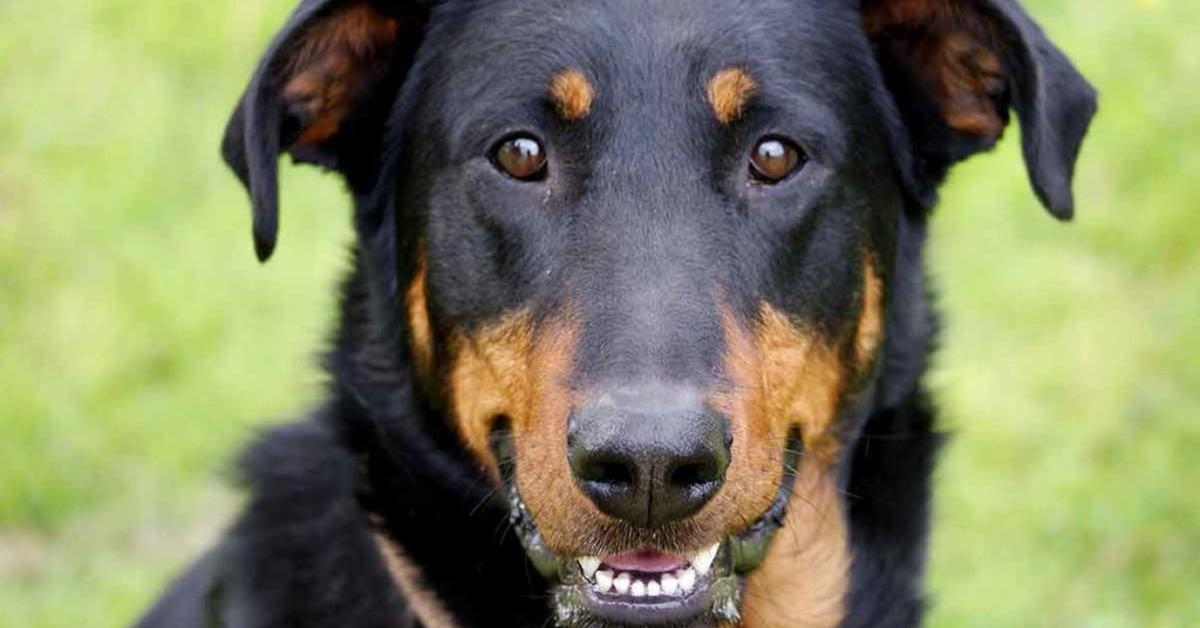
321	92
955	67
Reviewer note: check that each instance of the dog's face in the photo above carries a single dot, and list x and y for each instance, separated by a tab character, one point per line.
642	251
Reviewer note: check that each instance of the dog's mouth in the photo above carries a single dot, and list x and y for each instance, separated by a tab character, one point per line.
650	586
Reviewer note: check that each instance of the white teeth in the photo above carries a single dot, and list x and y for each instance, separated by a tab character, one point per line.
604	581
676	584
670	585
687	579
589	565
621	583
703	559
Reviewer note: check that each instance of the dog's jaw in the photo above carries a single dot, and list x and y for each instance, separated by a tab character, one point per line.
649	586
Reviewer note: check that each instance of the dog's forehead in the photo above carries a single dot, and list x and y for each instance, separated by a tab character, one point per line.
520	44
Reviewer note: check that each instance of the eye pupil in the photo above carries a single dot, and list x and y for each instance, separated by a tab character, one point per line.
774	159
521	157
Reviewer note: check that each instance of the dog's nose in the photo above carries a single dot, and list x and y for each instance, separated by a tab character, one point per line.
649	456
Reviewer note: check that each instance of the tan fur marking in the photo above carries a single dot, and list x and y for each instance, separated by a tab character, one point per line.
969	74
422	603
781	376
329	64
951	53
799	377
572	94
805	577
728	92
870	321
756	466
785	376
491	378
419	329
512	369
519	370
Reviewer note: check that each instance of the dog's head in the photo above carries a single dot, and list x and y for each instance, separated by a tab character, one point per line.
643	252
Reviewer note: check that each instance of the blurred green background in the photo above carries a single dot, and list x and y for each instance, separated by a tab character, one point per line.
140	343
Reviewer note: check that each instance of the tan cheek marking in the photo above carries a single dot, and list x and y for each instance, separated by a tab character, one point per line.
508	369
490	377
870	322
802	379
728	92
780	376
422	603
785	375
806	576
572	94
419	329
755	469
563	513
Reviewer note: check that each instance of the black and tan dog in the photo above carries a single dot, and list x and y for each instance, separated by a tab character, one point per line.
638	317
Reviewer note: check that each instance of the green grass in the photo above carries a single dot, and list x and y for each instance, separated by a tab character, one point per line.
140	343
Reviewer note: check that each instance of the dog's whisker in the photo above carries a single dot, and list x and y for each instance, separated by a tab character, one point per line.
491	492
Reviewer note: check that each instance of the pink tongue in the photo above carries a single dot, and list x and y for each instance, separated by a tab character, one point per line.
645	560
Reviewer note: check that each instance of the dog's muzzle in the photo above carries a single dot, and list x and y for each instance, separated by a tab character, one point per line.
649	586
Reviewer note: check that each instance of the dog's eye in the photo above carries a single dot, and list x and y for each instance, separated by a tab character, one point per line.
520	157
774	159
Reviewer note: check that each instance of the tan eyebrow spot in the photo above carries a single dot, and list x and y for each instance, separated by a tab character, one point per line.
728	93
572	94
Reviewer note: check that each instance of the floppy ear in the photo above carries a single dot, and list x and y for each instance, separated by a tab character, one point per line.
321	92
955	67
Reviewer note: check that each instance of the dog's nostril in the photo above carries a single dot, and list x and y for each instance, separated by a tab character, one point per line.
693	474
607	472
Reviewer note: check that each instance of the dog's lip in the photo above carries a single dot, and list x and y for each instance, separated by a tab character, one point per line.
650	612
717	593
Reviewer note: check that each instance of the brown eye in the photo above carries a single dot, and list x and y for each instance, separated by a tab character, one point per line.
774	159
521	157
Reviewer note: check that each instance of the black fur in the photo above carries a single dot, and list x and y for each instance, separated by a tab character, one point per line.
379	454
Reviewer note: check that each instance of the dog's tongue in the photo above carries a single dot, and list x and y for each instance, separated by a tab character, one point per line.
645	560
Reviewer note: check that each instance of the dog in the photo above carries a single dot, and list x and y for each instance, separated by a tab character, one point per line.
638	315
